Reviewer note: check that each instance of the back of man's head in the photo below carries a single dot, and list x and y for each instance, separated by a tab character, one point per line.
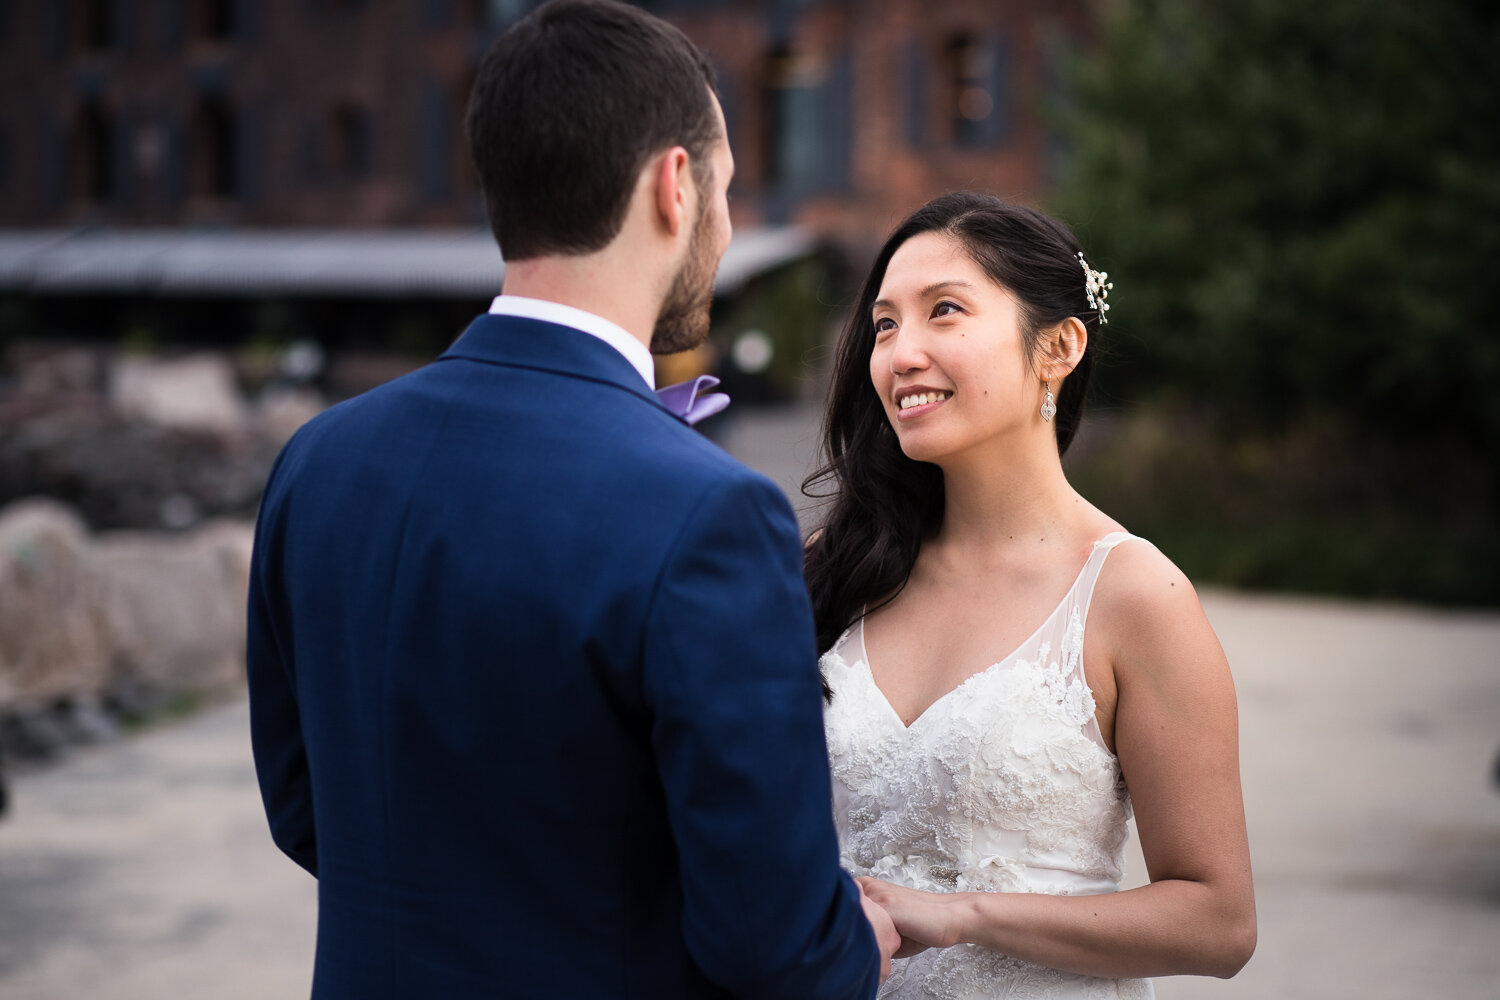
568	106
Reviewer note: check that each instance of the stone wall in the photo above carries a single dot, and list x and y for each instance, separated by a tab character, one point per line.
95	626
142	442
128	485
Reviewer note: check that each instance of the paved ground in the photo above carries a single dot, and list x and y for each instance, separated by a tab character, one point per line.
142	869
1367	736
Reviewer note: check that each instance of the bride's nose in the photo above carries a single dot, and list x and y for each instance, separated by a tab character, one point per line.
907	354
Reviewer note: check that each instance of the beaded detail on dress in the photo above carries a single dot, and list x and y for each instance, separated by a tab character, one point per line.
1004	784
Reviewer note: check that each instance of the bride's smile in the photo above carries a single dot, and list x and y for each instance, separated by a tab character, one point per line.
917	400
949	359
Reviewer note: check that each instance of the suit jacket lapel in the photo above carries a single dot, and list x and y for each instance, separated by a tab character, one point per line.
520	342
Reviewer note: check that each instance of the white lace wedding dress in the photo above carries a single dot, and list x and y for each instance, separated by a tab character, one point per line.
1003	785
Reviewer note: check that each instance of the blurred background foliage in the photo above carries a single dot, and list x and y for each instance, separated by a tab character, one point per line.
1299	204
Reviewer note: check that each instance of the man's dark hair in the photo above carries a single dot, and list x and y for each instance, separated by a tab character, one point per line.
568	106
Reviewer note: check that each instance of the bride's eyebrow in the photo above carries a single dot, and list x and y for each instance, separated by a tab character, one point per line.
936	286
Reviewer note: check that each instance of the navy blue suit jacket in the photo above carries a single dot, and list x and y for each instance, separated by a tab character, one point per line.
534	696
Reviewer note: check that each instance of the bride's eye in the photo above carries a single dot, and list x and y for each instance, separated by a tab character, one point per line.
884	324
945	309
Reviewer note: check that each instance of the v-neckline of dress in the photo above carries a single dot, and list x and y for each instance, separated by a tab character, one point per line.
864	653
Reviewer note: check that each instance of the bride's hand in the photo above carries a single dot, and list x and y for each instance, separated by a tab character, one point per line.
886	938
924	919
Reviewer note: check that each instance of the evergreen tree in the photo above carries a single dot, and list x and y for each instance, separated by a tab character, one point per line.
1300	204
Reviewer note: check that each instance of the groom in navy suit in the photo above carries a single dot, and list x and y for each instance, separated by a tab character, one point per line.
532	669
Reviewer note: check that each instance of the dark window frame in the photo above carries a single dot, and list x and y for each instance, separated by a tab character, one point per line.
93	25
213	139
93	170
352	150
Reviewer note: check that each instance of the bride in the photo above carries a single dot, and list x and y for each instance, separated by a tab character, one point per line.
1010	672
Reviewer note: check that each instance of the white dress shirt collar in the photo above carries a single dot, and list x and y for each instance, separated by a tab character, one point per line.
555	312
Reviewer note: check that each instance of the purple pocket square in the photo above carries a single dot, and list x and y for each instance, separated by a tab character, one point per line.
683	399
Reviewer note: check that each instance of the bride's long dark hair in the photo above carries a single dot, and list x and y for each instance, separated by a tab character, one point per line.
883	503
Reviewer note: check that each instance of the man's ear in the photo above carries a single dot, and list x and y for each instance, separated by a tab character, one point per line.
674	189
1063	347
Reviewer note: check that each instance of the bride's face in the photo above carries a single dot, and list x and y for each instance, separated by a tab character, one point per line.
949	362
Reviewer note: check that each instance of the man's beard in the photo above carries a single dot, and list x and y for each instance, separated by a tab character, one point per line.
683	321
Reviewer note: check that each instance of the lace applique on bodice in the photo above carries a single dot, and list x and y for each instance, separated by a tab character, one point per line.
1004	784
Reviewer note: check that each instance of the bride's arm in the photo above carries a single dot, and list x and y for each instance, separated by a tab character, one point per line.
1176	734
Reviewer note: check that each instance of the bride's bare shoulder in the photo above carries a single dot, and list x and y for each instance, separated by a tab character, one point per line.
1142	595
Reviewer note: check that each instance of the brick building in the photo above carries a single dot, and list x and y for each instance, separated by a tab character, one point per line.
844	114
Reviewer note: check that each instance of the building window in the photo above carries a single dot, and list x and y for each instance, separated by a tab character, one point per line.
794	134
729	99
5	167
94	24
494	13
465	186
93	163
437	141
311	150
213	20
350	133
211	149
914	65
150	150
977	73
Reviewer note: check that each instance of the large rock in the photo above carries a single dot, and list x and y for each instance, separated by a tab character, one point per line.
121	473
54	642
281	411
174	605
193	393
84	617
138	442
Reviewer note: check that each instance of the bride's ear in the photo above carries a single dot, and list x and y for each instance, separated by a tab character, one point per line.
1062	348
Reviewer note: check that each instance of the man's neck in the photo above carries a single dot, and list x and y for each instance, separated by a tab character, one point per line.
592	283
616	336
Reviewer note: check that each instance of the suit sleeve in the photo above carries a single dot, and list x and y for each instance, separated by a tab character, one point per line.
731	677
275	723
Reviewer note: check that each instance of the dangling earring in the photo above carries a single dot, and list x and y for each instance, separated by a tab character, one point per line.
1049	408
